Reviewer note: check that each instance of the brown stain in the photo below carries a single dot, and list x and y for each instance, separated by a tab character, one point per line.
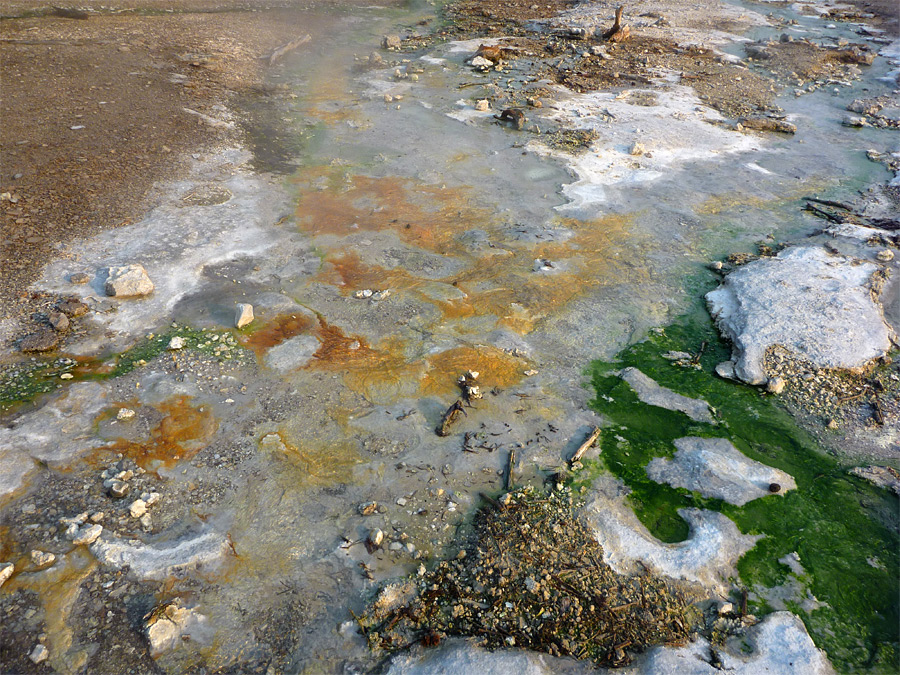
351	274
495	368
427	216
337	347
276	331
182	432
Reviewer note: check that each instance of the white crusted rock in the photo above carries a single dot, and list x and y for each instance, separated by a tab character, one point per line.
128	281
715	468
815	304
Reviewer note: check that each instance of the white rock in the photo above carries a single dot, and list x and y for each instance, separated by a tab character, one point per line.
138	508
363	294
706	557
725	370
715	468
815	304
128	281
168	628
6	571
775	385
482	105
481	63
637	149
42	558
39	654
885	255
86	535
205	551
176	342
651	393
243	315
125	414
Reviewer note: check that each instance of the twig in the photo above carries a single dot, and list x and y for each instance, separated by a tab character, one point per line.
509	470
579	453
279	52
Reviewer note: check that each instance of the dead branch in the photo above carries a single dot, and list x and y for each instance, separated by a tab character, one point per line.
286	48
579	453
618	32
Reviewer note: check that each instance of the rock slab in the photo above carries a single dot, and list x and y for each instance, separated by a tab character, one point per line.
651	393
815	304
715	468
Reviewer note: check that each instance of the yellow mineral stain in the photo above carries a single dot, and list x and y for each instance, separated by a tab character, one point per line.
181	433
58	587
496	368
319	463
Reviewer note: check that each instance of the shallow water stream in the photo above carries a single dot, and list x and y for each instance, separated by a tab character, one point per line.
388	247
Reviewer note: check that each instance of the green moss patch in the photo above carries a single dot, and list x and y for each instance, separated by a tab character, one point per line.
843	528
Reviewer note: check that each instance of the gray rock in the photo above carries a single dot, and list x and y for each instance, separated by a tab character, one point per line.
59	321
292	354
41	341
882	476
715	468
128	281
39	654
118	489
206	551
391	42
86	535
243	316
814	304
775	385
651	393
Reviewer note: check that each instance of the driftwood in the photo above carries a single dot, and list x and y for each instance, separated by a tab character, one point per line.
454	412
618	32
513	116
768	124
583	448
286	48
509	469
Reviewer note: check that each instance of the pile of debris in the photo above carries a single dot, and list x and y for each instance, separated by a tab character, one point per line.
533	577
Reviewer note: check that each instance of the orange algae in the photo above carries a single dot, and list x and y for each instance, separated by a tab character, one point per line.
182	432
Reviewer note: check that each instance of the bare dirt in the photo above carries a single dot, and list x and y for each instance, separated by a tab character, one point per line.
93	113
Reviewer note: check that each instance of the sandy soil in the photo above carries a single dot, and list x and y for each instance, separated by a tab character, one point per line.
93	113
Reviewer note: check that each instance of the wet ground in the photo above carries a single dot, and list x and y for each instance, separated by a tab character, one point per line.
391	238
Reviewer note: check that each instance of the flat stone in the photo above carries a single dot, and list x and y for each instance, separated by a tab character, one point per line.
204	551
292	354
882	476
651	393
42	559
73	308
87	535
707	557
128	281
79	278
814	304
715	468
41	341
243	315
138	508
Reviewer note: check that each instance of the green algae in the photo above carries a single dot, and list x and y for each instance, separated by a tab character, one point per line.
23	382
843	528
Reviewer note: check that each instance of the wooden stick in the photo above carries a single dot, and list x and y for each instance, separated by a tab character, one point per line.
584	446
279	52
509	470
